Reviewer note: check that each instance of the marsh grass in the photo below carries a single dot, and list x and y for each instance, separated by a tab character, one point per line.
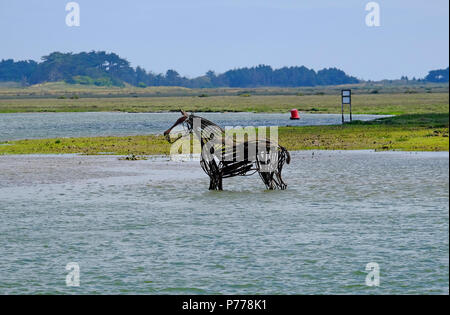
135	145
405	133
387	104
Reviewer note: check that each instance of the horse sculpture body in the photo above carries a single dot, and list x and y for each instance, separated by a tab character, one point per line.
221	158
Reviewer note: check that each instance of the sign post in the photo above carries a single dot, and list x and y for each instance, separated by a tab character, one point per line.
346	99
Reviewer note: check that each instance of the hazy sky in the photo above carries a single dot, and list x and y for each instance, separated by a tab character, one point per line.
193	36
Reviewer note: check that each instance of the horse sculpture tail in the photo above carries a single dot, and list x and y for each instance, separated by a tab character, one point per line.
288	155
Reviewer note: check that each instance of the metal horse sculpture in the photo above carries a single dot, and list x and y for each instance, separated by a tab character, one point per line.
221	160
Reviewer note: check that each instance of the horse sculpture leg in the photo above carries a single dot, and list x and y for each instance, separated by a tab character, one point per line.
279	181
273	180
215	183
215	176
268	180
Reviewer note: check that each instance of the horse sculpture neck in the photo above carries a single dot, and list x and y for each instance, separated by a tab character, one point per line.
204	129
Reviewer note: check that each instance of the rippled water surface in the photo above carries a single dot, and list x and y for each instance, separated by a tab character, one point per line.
152	227
54	125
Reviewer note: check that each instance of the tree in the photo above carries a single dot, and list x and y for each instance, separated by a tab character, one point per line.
101	68
20	71
438	76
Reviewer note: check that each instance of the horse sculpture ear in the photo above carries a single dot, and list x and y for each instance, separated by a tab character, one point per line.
183	113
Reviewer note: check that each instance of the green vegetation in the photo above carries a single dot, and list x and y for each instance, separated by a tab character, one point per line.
440	75
232	101
12	90
85	80
106	69
417	132
135	145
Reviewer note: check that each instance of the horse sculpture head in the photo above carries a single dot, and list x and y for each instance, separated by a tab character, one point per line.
204	129
180	121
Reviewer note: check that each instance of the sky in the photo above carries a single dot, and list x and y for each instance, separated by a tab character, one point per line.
194	36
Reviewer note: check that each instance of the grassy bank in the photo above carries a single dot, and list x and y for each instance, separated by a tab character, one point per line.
417	132
61	89
389	104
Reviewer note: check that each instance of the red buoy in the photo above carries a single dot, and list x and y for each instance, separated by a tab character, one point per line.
294	114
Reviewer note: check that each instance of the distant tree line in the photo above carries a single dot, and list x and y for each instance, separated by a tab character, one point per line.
437	76
108	69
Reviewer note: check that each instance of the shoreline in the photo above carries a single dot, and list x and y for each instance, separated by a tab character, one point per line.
399	133
185	158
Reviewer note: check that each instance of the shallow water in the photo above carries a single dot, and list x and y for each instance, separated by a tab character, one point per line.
54	125
152	227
